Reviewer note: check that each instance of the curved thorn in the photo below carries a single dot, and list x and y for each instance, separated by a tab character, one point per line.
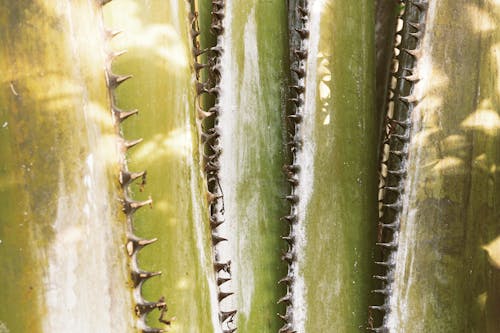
132	143
138	277
121	115
221	281
217	239
224	315
134	244
115	80
126	177
144	308
130	206
223	295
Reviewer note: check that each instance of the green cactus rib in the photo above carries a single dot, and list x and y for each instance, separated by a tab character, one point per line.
334	143
440	278
61	229
394	155
157	36
130	206
208	75
247	81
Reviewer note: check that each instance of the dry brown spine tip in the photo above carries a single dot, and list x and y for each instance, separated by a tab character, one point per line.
211	197
223	266
296	118
303	33
144	308
397	172
384	291
286	280
223	295
221	281
391	245
287	328
411	99
384	263
115	80
302	11
217	239
134	244
393	226
289	218
289	257
122	115
290	239
224	315
218	13
381	277
411	78
109	34
298	89
416	53
301	54
139	276
292	198
115	55
132	143
126	177
130	206
378	307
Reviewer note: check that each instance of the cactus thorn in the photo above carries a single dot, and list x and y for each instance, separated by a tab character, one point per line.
287	299
224	315
130	206
217	239
122	115
115	80
223	295
135	243
223	266
132	143
221	281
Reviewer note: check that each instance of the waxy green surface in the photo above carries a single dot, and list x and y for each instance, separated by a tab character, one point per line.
155	33
443	280
340	139
62	261
254	85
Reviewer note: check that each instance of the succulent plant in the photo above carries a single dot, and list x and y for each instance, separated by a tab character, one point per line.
250	166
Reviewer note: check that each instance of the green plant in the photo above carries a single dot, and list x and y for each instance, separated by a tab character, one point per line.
266	127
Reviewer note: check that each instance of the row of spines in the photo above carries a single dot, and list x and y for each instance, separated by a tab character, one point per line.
395	151
299	34
208	72
129	206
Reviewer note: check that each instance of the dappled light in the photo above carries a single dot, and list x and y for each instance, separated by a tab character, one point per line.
481	20
484	119
177	143
167	47
493	251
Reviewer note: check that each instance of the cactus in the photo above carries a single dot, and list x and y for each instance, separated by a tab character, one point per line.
212	166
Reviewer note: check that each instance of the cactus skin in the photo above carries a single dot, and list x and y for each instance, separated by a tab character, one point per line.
337	179
449	205
253	98
157	37
61	229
